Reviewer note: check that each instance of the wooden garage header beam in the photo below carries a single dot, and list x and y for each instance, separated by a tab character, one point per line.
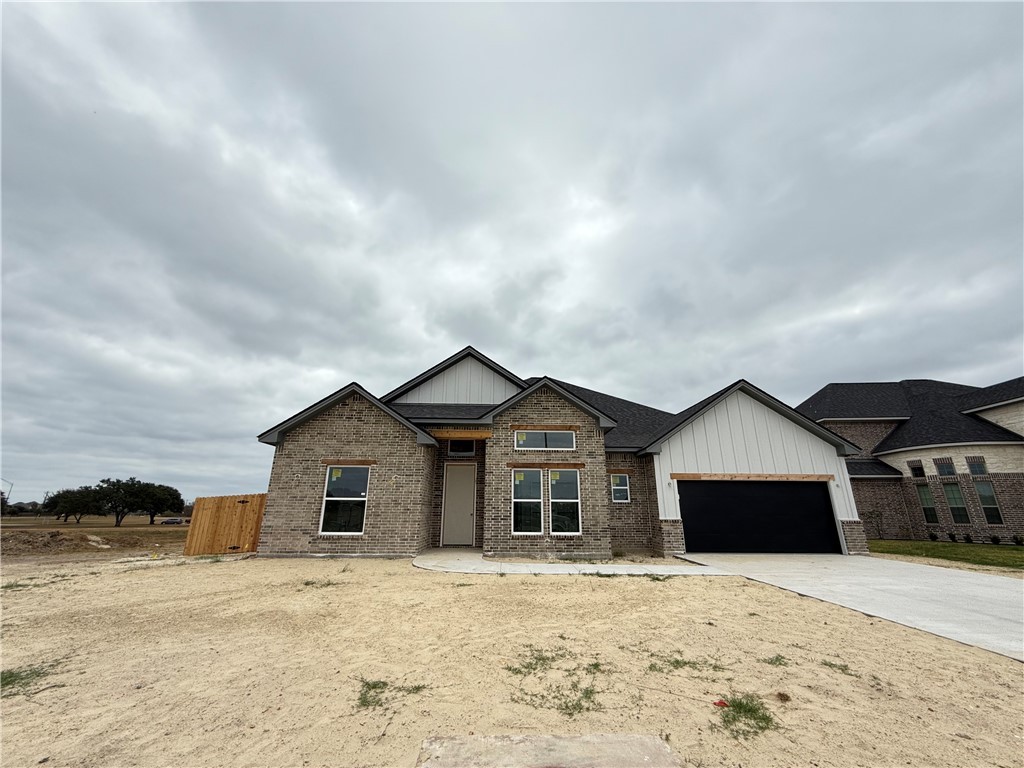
719	476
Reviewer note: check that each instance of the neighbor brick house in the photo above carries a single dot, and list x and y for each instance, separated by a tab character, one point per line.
936	458
469	454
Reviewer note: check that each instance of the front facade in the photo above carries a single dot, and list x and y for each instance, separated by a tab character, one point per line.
468	454
938	461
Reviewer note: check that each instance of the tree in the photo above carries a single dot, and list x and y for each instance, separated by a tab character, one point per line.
124	497
74	502
162	499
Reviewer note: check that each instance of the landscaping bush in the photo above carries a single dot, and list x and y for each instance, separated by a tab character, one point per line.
968	539
933	535
994	539
1018	539
952	536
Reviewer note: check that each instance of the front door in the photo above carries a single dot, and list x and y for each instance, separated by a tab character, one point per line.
458	516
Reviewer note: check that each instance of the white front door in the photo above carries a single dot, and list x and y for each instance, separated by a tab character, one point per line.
458	515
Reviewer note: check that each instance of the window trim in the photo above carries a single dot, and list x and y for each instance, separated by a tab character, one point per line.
950	506
611	481
325	499
515	442
461	454
512	510
999	512
578	501
924	509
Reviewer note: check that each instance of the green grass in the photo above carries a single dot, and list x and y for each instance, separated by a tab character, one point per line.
778	660
1001	556
19	679
374	693
844	668
537	660
746	716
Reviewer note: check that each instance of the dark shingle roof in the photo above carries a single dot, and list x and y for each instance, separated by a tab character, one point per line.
1002	392
932	410
417	411
870	468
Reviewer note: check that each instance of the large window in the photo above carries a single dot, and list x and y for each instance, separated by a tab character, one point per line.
924	493
555	440
957	507
565	501
620	488
989	505
527	502
344	509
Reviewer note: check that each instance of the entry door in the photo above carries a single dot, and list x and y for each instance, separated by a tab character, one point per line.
459	513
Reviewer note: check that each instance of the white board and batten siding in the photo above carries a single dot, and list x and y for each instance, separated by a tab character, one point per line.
468	381
740	435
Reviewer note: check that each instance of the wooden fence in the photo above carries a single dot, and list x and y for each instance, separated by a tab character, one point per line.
225	524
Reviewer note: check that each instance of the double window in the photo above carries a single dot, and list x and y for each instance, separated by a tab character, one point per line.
620	488
563	498
957	506
989	505
344	510
545	440
924	493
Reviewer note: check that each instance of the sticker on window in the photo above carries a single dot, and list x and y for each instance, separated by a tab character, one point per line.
519	477
554	475
335	474
520	437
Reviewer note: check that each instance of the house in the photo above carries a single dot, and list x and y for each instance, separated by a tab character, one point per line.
469	454
936	458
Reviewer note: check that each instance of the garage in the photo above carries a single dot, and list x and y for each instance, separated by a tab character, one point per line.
757	516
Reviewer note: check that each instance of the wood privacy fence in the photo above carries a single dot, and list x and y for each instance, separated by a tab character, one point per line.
224	525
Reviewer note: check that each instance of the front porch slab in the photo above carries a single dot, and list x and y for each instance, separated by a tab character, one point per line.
588	751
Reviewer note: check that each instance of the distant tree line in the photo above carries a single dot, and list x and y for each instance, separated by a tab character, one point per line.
119	498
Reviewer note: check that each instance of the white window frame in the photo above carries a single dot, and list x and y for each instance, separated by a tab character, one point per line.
578	501
512	520
515	441
365	499
461	453
611	480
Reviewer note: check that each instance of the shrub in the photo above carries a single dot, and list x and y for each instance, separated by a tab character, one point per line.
994	539
933	535
952	536
968	539
1018	540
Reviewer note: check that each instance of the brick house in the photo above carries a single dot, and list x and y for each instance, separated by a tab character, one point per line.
469	454
936	458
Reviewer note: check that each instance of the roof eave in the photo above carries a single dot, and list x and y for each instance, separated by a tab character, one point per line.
947	445
604	421
994	405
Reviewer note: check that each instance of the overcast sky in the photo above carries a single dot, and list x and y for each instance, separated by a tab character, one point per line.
215	215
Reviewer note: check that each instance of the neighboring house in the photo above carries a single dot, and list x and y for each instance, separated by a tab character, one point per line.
469	454
937	458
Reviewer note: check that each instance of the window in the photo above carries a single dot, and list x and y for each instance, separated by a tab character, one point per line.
924	493
916	469
461	447
565	501
344	500
976	465
945	467
957	507
987	497
560	440
527	503
620	488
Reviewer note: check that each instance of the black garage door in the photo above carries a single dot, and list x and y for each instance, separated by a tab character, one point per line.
757	516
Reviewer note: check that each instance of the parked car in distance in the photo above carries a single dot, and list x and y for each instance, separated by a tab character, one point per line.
172	521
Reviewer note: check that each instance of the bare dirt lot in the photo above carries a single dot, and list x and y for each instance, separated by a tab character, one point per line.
259	662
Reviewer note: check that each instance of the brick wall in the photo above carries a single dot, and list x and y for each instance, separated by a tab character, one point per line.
437	490
882	507
545	407
631	522
853	532
667	538
399	496
866	434
1009	490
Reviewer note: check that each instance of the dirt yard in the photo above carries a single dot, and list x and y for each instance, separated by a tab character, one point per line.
259	662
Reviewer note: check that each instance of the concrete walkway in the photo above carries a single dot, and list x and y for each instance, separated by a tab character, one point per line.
453	560
978	609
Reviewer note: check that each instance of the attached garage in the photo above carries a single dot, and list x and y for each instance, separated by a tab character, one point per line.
757	516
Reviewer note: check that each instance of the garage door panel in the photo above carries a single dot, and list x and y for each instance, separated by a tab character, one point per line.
756	516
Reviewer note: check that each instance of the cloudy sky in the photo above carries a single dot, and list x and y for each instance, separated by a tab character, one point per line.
215	215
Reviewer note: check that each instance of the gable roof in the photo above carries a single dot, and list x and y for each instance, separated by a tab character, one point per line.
871	468
684	417
603	419
273	435
444	365
1003	393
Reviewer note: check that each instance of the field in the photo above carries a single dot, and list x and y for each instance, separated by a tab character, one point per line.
93	537
169	661
987	556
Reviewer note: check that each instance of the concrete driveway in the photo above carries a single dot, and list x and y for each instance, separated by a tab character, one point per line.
979	609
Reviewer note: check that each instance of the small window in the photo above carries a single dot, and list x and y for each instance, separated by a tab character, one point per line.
620	488
916	470
924	493
957	507
565	501
560	440
989	505
976	466
461	447
527	503
945	467
344	510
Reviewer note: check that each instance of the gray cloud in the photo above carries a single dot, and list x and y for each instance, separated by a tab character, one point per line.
216	214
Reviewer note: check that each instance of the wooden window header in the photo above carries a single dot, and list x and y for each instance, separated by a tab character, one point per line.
456	433
614	471
712	476
543	465
545	427
349	462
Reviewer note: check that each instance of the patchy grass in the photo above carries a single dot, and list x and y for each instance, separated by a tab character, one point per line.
211	558
538	660
549	681
377	693
18	585
746	715
778	660
19	680
657	576
1000	556
838	667
675	660
320	583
